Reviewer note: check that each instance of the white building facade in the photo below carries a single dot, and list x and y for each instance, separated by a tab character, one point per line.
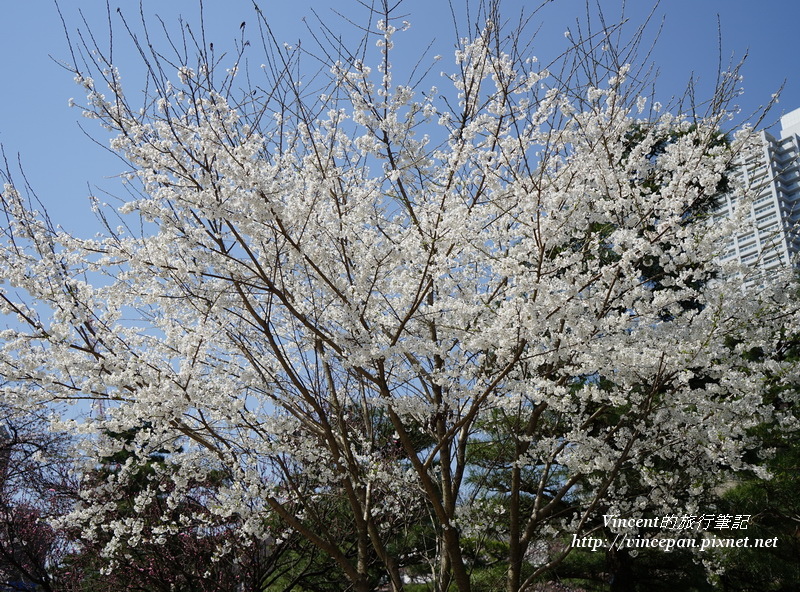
771	239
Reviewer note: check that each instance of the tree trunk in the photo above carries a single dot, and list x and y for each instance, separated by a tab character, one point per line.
514	578
621	571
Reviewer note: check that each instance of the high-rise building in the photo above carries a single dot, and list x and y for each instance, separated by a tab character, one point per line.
771	238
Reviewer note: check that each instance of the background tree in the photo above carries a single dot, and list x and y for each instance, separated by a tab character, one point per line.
181	545
37	483
307	260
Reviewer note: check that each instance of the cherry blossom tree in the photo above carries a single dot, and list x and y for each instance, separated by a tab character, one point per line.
339	287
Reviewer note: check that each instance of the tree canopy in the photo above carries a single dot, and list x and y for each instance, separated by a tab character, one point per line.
387	317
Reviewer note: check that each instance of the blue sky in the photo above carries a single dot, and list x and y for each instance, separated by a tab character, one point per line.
64	166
